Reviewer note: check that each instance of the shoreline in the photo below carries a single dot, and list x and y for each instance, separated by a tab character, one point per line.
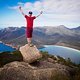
1	42
62	47
41	46
10	45
69	46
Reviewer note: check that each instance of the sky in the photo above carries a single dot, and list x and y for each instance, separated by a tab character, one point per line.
55	12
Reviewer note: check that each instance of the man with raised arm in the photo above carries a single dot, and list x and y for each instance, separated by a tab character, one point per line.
29	20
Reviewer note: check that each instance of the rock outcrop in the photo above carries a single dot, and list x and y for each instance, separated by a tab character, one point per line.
43	70
30	54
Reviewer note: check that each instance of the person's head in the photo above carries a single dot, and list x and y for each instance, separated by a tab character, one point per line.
30	13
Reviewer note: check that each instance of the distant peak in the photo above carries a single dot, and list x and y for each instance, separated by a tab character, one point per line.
62	26
78	27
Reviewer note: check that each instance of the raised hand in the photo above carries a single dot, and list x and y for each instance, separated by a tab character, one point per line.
20	7
21	11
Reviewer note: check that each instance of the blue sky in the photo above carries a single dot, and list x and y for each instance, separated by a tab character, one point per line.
55	12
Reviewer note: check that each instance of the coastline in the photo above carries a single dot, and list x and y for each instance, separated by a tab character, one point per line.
10	45
62	47
67	45
42	46
1	42
61	44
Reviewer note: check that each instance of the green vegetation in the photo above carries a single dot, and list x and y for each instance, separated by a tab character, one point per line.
6	57
58	59
67	62
45	55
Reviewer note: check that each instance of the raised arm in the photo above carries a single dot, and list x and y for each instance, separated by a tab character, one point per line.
21	11
39	14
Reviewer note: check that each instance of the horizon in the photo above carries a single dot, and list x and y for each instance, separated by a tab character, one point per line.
55	12
40	27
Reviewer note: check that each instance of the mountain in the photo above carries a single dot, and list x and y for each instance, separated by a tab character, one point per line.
78	28
59	35
11	33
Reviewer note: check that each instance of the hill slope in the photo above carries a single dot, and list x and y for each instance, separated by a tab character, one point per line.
59	35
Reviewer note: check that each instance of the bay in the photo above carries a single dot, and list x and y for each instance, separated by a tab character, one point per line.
64	52
4	48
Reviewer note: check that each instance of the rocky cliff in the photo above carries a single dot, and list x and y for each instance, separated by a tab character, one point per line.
41	71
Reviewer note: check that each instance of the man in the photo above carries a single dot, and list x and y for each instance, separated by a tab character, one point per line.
29	20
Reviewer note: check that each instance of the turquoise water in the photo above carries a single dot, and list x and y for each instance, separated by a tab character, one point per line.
4	48
64	52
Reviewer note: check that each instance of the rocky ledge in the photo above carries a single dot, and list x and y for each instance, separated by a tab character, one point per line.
40	70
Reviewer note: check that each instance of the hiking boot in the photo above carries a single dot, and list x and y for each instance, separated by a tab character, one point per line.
30	44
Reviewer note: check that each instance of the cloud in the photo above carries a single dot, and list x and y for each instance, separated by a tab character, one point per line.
38	5
62	6
52	6
54	10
